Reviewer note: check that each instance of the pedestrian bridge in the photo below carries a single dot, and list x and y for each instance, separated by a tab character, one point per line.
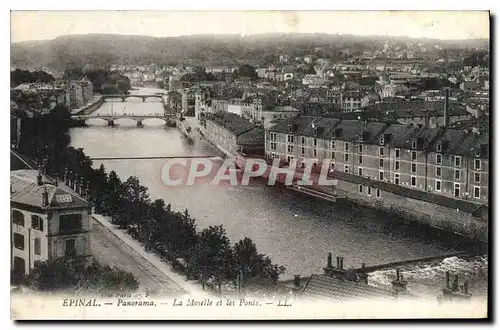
126	96
112	118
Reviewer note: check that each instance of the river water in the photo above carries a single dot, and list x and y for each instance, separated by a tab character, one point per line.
296	231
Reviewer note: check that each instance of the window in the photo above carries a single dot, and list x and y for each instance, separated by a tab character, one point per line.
346	157
360	148
438	171
346	146
414	144
38	247
413	181
438	185
315	152
273	145
438	147
70	222
333	154
396	178
360	188
272	136
70	248
438	159
477	193
360	171
369	191
315	142
18	218
381	151
413	168
381	162
378	193
396	152
36	222
346	168
381	141
413	155
333	144
19	241
303	140
290	148
457	190
290	138
302	150
457	174
477	177
360	159
458	160
381	175
477	164
396	165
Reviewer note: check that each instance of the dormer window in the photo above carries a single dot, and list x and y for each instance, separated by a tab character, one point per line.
414	144
382	141
439	147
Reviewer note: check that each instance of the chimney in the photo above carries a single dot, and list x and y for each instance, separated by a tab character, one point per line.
45	197
39	179
329	261
338	262
446	106
296	281
397	274
341	263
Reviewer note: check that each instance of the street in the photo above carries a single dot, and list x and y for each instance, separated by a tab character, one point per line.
110	250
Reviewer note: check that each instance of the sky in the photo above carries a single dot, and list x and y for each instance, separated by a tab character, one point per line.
43	25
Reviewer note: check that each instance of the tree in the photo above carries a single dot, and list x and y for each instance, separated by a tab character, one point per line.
246	70
254	267
59	275
213	259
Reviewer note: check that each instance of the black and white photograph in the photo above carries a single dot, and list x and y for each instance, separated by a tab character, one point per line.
249	165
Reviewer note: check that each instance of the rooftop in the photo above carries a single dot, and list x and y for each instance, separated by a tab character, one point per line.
329	288
25	190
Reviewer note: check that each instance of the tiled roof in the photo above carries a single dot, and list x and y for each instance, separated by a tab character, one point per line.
329	288
284	126
25	190
231	122
255	136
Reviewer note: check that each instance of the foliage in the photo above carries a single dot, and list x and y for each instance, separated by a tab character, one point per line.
18	77
246	71
61	275
209	253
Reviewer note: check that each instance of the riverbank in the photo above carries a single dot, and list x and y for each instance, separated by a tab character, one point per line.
90	107
462	217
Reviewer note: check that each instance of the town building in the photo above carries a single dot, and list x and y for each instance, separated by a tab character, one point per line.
48	221
231	133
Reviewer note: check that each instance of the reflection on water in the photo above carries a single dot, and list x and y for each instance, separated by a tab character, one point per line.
294	230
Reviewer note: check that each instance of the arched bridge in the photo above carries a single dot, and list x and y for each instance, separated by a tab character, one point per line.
111	118
126	96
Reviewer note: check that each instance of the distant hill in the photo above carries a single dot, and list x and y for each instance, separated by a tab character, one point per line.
103	49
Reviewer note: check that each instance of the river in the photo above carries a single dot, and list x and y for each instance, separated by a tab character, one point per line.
296	231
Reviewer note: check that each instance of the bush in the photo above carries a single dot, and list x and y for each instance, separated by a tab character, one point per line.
59	275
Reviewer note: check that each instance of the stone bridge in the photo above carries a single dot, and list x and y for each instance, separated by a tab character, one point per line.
167	118
126	96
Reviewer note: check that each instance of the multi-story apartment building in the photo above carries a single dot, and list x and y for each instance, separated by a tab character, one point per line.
350	100
434	160
458	166
232	133
48	221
